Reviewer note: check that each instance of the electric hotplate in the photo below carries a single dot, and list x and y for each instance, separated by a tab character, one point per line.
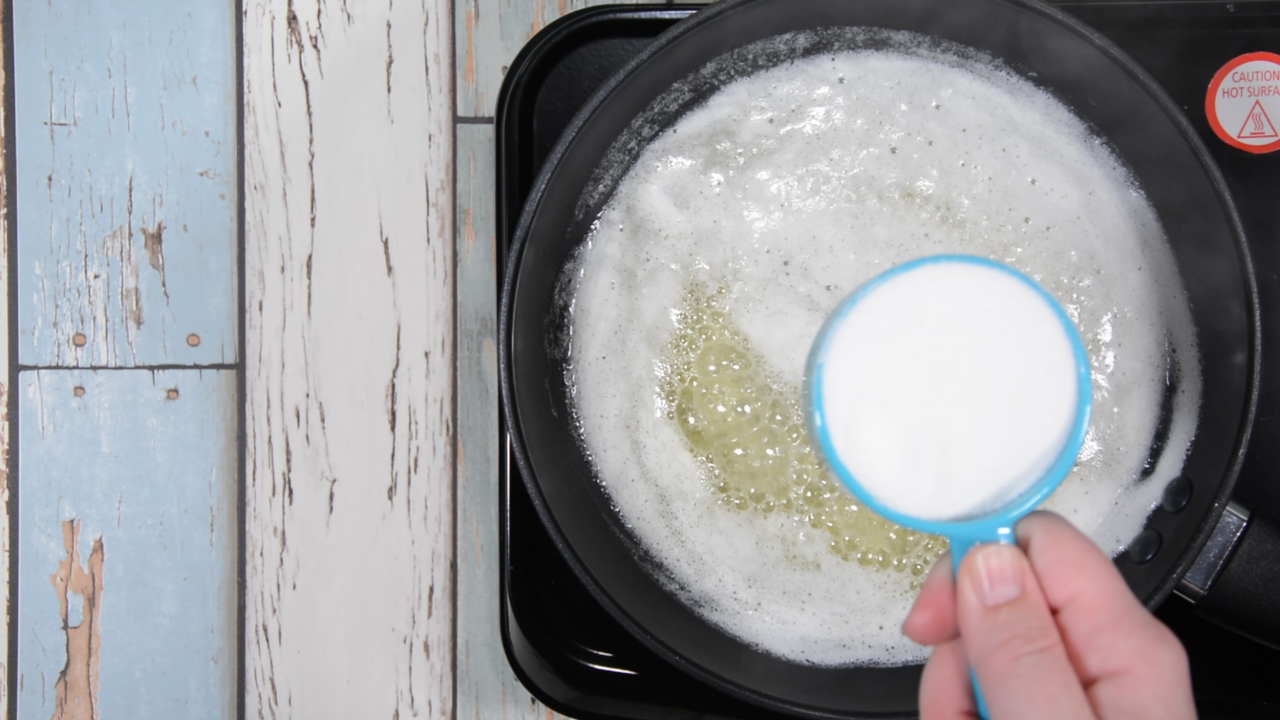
567	649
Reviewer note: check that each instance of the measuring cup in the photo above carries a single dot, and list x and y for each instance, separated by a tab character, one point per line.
993	525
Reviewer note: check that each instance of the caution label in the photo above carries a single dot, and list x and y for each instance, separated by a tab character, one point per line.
1243	103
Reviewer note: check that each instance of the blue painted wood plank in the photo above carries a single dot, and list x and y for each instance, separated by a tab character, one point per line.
486	686
487	36
125	126
127	543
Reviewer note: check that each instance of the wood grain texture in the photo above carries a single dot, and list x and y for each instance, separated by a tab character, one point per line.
349	359
486	686
127	563
125	122
488	35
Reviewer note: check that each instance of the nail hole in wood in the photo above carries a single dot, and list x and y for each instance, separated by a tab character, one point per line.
193	339
172	393
79	339
78	391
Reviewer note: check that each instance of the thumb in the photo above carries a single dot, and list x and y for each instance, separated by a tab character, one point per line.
1011	639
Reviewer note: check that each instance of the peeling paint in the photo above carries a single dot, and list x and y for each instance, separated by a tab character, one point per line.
538	7
77	688
118	246
110	150
390	61
153	242
158	476
468	230
294	152
486	686
4	494
469	71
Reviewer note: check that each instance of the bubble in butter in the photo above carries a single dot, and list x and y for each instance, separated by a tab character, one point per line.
746	429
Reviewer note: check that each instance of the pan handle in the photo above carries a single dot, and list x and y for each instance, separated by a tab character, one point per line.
1235	580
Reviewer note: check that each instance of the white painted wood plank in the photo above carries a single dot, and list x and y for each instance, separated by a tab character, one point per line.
487	688
127	564
349	344
125	124
488	35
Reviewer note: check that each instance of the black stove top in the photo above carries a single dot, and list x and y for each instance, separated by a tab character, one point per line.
567	649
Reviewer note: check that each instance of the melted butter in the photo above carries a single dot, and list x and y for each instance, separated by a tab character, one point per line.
747	431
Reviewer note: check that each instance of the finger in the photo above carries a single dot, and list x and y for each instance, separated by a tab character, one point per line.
932	619
1011	639
946	692
1129	662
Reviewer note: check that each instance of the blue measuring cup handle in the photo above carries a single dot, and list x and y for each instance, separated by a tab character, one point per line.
962	542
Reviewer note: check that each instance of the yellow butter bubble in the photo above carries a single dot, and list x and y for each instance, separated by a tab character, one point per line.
747	432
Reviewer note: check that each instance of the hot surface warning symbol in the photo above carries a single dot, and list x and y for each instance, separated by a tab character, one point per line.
1257	124
1242	100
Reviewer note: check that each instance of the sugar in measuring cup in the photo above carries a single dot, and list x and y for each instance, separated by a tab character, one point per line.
951	394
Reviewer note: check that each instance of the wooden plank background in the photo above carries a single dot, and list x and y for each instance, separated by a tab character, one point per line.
489	33
125	122
349	281
486	686
125	170
357	388
126	586
5	396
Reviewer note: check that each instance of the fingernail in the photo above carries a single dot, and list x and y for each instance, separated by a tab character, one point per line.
999	574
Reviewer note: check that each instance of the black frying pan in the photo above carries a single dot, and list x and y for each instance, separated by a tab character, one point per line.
1103	86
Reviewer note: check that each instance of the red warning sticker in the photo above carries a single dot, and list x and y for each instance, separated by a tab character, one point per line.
1243	103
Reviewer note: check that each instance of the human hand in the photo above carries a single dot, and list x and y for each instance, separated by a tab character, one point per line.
1051	631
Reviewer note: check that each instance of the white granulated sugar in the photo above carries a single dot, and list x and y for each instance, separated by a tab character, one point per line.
948	389
792	187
